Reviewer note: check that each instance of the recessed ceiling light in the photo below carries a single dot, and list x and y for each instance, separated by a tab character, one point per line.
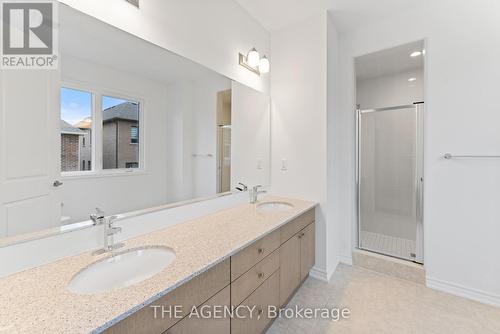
412	79
416	54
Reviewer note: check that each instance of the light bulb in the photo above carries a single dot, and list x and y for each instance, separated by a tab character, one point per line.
264	65
253	58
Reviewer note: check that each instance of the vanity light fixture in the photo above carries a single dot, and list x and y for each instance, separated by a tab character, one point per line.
253	62
253	58
134	2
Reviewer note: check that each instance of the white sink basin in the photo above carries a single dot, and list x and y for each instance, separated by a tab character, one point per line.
274	206
121	270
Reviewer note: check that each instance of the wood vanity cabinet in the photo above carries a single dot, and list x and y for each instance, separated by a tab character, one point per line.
265	273
296	260
191	325
289	261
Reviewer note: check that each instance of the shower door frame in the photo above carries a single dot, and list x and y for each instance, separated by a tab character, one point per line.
419	175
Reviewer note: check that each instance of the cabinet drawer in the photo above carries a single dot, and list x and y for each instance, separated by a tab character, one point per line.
191	325
253	254
193	293
249	281
293	227
266	295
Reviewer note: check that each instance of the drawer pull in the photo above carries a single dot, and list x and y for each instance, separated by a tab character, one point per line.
261	250
261	275
301	235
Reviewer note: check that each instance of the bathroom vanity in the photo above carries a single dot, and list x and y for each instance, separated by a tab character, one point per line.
242	256
265	273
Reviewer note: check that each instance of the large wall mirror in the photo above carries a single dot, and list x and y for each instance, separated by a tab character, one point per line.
122	125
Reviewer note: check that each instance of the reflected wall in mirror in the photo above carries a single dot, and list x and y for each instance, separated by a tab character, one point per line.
122	125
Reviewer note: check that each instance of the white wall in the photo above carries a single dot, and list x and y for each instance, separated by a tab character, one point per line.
390	90
299	117
116	194
179	141
461	196
211	33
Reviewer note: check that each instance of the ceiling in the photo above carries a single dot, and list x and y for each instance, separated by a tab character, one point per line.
87	38
347	14
389	61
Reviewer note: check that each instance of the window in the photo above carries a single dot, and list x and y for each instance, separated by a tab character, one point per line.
120	129
134	135
120	133
76	127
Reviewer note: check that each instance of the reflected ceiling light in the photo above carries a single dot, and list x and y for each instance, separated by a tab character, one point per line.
264	65
253	62
412	79
416	54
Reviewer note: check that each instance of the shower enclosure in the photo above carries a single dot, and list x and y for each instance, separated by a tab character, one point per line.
390	181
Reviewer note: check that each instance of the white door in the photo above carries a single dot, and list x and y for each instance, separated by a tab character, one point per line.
29	151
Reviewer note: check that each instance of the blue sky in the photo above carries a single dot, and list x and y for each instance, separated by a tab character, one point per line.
77	105
108	102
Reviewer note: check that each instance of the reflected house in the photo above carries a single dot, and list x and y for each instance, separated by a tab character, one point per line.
121	136
85	126
71	138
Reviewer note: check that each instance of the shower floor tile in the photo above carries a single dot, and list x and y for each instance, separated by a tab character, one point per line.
389	245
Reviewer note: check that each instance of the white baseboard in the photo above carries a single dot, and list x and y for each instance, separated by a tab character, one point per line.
319	274
461	291
346	259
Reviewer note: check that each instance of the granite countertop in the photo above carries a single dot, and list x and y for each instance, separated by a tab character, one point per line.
38	301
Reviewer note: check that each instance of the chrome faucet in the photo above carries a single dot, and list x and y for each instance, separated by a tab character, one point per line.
254	194
97	217
242	187
109	231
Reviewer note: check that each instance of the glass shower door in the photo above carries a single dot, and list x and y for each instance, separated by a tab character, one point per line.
390	181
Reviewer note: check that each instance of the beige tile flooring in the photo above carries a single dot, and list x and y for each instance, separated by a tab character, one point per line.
386	244
383	304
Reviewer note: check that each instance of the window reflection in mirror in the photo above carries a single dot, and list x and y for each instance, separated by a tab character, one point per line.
76	130
120	133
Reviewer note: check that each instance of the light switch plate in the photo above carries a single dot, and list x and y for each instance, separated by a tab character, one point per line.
284	164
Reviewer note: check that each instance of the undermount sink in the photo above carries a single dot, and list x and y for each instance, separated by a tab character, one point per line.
274	206
121	270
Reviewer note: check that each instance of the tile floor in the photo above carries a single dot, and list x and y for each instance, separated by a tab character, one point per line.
386	244
383	304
